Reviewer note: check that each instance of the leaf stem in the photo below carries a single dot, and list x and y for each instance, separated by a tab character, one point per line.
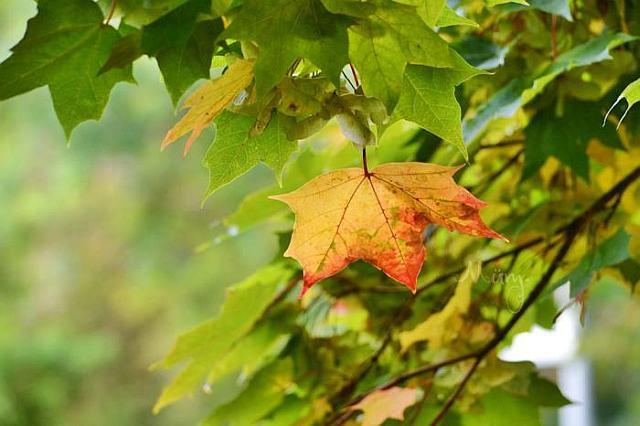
112	10
365	167
554	37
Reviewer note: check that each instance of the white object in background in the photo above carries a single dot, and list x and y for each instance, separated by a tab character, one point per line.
558	348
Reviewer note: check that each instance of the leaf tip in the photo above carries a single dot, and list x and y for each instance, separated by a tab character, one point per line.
306	285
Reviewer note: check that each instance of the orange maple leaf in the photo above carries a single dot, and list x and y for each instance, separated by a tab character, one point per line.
386	404
378	217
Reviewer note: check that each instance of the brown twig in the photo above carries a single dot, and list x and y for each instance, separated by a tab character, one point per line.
482	186
502	144
112	10
293	66
355	75
279	297
454	396
353	87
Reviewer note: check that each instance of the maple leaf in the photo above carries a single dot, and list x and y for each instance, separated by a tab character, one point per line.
208	102
181	42
64	47
288	29
234	151
392	37
428	99
386	404
378	217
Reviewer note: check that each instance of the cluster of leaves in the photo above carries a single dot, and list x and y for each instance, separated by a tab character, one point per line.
396	76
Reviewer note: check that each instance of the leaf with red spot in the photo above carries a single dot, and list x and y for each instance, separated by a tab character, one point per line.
378	217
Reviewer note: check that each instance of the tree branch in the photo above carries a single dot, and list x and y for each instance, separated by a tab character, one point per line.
570	232
452	399
502	144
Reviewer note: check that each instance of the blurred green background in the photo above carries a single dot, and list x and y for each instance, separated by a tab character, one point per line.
101	263
100	266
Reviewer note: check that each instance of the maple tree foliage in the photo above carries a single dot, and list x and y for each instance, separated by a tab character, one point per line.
316	90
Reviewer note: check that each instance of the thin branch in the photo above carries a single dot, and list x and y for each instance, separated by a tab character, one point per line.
452	399
346	390
279	297
344	74
502	144
112	10
294	66
612	210
492	177
431	368
355	75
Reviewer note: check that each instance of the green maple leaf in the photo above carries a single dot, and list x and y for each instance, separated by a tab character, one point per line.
429	11
613	251
518	92
481	52
64	47
354	8
428	99
555	7
208	342
566	138
382	45
183	65
182	46
265	392
234	152
289	29
449	18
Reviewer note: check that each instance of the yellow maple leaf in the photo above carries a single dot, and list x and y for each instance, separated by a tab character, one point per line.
209	101
435	328
378	217
386	404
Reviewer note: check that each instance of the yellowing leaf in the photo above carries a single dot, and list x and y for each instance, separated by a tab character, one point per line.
378	217
209	101
435	328
386	404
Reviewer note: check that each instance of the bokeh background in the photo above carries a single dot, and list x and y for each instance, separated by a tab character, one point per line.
106	255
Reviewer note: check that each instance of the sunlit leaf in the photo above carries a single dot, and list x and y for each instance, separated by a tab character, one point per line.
391	37
346	215
234	151
206	103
